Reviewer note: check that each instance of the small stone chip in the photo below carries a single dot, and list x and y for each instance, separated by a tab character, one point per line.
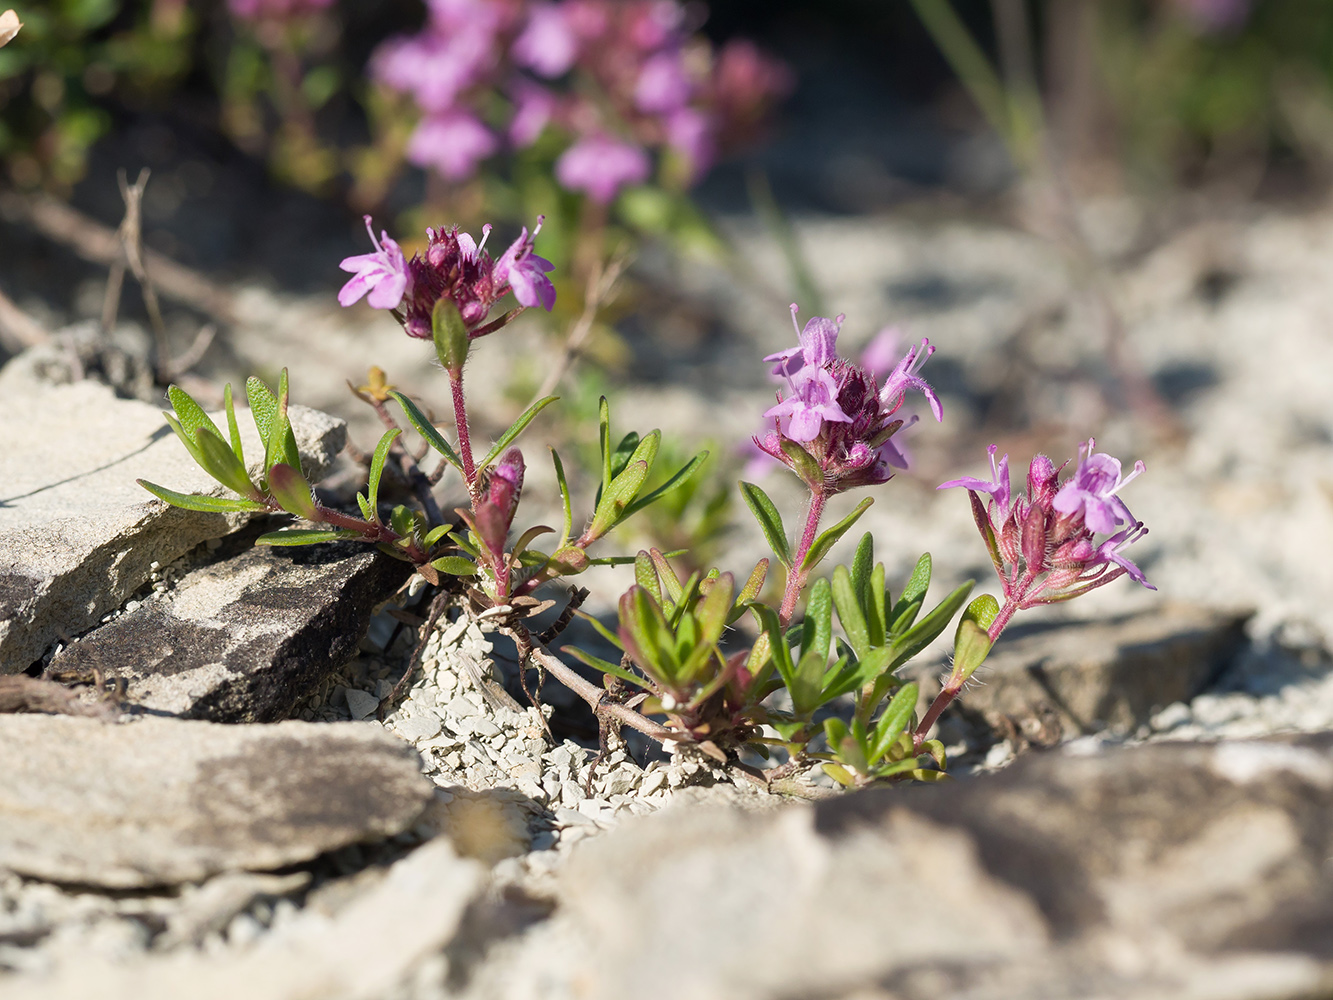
363	704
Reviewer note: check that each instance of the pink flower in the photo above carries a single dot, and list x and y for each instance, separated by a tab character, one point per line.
525	272
452	144
689	132
662	86
904	376
548	44
1091	493
383	274
533	107
601	166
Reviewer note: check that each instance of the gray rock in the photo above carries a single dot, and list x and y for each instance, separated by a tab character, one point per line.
247	639
77	535
163	801
1182	870
1101	675
362	952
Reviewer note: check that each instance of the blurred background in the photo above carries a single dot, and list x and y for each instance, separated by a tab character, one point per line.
1109	215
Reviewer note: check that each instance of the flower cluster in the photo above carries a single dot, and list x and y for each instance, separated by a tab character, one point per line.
454	267
1044	544
617	78
834	428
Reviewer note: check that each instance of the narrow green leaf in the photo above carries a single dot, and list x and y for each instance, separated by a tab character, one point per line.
711	615
233	431
435	534
291	491
971	642
653	646
818	621
645	575
567	504
915	590
367	511
623	453
861	566
855	674
601	629
377	469
770	521
850	615
904	620
923	633
195	501
455	566
604	439
526	539
877	621
304	536
606	667
936	750
263	407
779	651
449	333
427	430
191	445
829	538
191	414
806	466
895	720
750	591
835	731
219	461
515	429
682	476
924	774
674	590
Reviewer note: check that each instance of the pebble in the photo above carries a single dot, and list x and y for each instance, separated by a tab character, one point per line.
362	704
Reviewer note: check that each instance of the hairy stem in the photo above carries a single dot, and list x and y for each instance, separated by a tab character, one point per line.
464	441
796	576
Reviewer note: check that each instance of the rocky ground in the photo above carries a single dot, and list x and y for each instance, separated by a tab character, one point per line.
1158	825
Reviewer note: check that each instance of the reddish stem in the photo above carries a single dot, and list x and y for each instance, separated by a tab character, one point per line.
464	441
796	577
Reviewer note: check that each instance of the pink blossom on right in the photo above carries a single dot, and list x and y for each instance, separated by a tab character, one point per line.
601	166
1044	543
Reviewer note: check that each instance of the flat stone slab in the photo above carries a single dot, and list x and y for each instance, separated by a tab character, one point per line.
1167	870
1104	674
166	801
78	535
246	639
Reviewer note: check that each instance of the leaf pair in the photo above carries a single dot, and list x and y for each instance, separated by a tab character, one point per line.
884	750
770	523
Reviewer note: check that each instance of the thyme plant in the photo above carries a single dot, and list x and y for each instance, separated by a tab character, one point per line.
820	679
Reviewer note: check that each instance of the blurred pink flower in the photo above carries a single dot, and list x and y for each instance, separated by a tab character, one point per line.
601	166
548	44
452	143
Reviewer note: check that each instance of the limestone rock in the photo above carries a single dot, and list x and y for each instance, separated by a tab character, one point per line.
1182	870
363	952
246	639
163	801
78	535
1103	674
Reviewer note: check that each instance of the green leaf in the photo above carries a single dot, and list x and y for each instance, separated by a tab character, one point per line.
750	591
850	615
427	430
839	774
877	622
291	491
565	501
770	521
219	461
818	621
515	429
601	629
936	750
450	335
645	575
435	534
923	633
195	501
304	536
190	413
971	642
855	674
895	720
263	407
233	431
525	539
914	591
377	470
455	566
367	511
711	615
606	667
682	476
674	590
829	538
604	439
861	566
646	625
806	466
620	456
779	651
